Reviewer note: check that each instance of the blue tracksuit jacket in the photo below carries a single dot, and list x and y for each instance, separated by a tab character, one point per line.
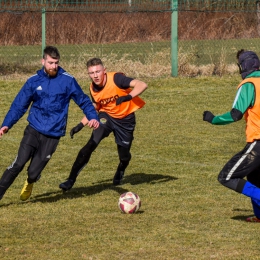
49	98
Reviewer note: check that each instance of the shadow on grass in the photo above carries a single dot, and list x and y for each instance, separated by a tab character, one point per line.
133	179
242	217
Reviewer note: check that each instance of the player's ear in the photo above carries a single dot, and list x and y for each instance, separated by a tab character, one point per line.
43	62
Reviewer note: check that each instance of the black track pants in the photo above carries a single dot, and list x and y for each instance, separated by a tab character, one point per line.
246	163
35	146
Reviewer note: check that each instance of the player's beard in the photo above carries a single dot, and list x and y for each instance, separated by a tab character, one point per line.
52	72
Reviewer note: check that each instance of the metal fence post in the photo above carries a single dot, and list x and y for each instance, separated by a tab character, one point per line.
43	29
174	38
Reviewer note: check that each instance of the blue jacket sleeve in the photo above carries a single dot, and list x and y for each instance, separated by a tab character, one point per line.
19	106
83	101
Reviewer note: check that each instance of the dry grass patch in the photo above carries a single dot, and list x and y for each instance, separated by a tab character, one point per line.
156	64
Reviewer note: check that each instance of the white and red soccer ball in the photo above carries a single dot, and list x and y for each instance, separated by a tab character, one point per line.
129	202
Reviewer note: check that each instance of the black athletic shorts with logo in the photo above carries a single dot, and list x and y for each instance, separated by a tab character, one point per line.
122	129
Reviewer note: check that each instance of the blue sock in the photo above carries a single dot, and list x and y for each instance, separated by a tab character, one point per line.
251	191
256	207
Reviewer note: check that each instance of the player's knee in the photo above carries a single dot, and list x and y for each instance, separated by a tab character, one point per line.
125	157
222	178
16	166
124	154
88	148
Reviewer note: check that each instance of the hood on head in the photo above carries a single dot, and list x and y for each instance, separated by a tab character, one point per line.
248	62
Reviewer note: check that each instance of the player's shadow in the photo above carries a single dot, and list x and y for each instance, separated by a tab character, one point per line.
242	217
75	192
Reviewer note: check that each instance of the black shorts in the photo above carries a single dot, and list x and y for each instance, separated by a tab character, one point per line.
122	129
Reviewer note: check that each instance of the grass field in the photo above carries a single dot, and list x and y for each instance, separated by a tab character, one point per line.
176	157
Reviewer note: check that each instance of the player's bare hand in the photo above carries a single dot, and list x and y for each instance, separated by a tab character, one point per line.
3	130
93	123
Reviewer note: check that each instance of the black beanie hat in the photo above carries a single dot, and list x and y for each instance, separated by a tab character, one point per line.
248	62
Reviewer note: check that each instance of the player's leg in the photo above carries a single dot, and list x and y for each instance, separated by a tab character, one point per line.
80	162
47	146
85	153
254	178
123	131
256	209
26	150
240	166
124	158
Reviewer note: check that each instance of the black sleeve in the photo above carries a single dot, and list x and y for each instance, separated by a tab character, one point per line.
236	114
122	81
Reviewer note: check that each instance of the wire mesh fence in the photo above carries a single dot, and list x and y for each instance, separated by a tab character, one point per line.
133	36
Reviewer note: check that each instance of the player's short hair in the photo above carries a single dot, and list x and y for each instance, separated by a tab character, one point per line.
52	52
94	62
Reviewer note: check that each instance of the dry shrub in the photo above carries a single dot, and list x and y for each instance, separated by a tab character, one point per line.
81	28
185	62
20	28
157	65
217	67
226	25
232	69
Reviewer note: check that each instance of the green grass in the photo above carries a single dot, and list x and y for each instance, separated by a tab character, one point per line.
73	52
176	157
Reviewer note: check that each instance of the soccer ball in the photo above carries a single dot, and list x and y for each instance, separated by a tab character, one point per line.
129	202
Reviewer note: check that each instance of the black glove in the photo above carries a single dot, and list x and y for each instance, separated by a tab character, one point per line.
208	116
76	129
123	99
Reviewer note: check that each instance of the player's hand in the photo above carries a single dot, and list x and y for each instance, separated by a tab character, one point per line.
76	129
3	130
208	116
123	99
93	123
